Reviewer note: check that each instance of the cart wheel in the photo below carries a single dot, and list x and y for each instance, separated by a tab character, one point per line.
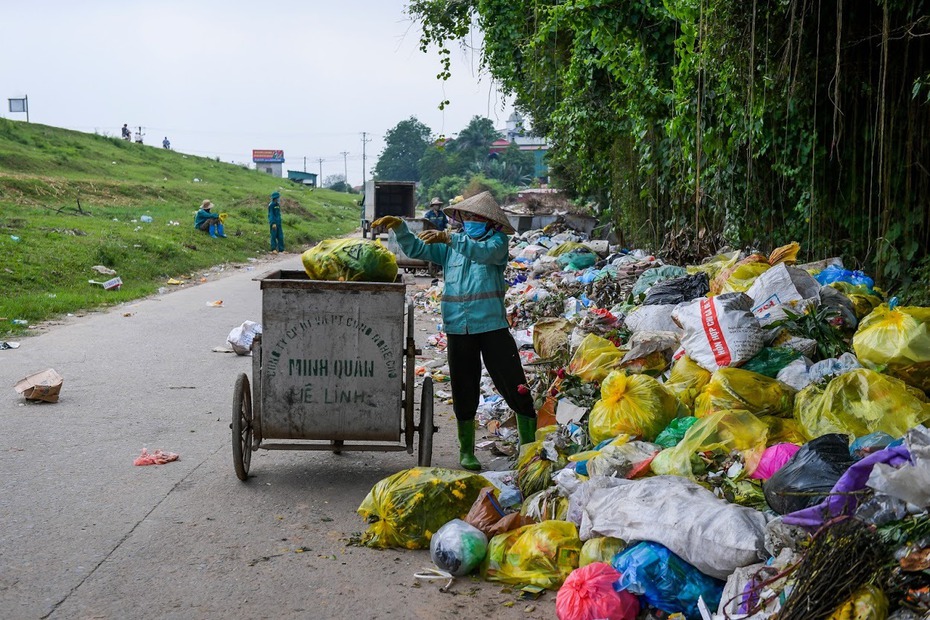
425	448
242	427
337	445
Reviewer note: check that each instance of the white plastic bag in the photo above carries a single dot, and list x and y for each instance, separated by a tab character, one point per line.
240	338
719	331
652	319
779	287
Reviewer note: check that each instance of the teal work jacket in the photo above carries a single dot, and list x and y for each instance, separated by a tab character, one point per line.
473	271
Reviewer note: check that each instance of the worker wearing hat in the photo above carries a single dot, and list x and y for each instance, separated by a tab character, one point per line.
473	312
208	221
435	215
274	222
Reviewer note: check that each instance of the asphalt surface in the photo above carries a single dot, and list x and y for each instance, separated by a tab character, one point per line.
85	534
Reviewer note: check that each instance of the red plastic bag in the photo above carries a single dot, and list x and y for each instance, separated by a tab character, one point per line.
772	460
588	594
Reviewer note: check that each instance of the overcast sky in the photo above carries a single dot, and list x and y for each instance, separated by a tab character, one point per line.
223	77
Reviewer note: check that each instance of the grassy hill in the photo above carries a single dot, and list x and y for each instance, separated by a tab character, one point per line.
70	201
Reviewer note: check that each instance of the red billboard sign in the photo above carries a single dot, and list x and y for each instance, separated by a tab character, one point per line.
267	156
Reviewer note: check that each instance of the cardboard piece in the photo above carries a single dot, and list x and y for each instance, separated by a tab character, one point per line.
42	386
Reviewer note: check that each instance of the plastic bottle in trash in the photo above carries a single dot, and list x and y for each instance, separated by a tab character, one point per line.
145	218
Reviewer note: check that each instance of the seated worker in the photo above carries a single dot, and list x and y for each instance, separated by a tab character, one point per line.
435	215
473	312
208	221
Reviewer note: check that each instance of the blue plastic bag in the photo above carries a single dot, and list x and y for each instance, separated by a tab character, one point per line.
838	274
664	580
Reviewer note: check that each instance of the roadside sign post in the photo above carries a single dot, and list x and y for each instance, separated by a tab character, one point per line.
20	105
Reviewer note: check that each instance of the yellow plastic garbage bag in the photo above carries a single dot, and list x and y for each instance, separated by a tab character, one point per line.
860	402
632	404
720	431
686	380
714	265
735	388
594	358
898	339
535	467
741	278
601	549
350	260
866	603
542	554
404	510
566	247
787	254
863	299
783	430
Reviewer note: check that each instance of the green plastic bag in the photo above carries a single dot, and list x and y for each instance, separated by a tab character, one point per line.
350	260
860	402
594	358
632	404
722	431
406	509
686	380
735	388
601	549
675	431
655	275
770	360
542	554
897	339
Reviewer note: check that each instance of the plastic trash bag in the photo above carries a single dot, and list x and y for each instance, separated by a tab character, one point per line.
628	460
550	336
651	319
578	259
832	367
486	511
787	254
773	459
782	287
458	548
740	277
715	264
719	331
677	290
240	338
675	431
686	380
588	594
594	358
808	475
350	260
860	402
404	510
545	505
796	374
911	481
735	388
600	549
861	298
710	533
654	275
898	339
535	467
665	581
867	444
721	431
866	603
543	555
632	404
838	274
771	360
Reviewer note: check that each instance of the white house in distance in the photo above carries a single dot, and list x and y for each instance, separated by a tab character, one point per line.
514	132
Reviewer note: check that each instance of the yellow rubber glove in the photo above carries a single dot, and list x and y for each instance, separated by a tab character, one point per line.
430	237
388	221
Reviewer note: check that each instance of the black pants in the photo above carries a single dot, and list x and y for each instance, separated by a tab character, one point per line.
502	360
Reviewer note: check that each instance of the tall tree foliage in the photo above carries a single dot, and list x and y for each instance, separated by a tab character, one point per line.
694	122
405	144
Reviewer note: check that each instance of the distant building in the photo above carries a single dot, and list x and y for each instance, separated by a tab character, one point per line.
303	178
515	133
269	161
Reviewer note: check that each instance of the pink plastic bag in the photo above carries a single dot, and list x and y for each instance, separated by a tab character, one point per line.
588	594
773	459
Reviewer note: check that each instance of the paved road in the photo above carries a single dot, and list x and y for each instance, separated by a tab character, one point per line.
85	534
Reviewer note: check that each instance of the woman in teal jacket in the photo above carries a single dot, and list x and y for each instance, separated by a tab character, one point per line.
473	312
274	222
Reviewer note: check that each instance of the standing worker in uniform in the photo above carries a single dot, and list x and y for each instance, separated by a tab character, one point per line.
435	215
473	312
274	221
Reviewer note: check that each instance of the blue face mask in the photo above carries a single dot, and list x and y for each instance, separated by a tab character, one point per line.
475	229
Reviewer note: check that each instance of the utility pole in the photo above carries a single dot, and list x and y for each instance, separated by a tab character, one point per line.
345	167
305	163
319	181
365	140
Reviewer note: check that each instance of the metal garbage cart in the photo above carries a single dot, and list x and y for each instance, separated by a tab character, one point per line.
332	370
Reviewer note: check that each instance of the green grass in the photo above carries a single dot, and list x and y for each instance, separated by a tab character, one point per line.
48	245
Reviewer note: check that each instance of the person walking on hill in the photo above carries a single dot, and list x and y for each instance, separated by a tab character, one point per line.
139	136
274	221
126	133
473	312
165	144
435	215
208	221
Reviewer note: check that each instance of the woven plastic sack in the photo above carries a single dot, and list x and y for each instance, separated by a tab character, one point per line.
898	339
866	603
632	404
735	388
774	459
350	260
594	358
686	380
665	581
860	402
458	547
600	549
535	467
588	594
543	555
719	331
404	510
720	431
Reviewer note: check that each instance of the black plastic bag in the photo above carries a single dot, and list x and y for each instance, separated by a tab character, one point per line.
677	290
808	477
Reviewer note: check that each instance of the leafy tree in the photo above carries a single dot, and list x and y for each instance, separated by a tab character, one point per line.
404	147
474	142
440	161
446	188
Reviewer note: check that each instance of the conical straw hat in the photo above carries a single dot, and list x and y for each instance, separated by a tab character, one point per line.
482	204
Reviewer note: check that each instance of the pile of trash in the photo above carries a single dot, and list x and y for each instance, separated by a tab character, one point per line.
740	438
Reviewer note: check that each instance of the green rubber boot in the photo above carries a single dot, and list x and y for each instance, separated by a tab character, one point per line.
526	428
467	457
